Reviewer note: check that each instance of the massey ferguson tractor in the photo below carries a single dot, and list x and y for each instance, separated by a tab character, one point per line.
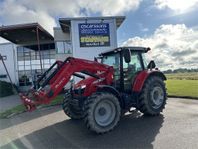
106	91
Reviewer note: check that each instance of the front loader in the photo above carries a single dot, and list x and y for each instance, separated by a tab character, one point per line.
108	89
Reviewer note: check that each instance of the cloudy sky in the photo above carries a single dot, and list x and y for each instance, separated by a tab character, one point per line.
169	27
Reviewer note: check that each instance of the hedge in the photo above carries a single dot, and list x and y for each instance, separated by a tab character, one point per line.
5	89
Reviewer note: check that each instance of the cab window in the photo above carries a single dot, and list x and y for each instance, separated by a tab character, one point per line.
131	69
114	60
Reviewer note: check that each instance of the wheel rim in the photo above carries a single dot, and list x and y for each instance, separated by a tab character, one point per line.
104	113
157	97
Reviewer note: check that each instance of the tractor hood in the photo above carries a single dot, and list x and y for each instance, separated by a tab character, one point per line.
84	83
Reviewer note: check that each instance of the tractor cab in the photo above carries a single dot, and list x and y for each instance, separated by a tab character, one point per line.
127	63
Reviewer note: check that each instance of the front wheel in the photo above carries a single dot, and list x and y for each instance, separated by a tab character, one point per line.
153	96
73	111
102	112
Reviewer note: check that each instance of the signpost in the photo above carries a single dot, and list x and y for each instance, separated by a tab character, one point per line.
94	34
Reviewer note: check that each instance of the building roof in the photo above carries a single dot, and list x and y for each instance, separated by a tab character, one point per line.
65	23
133	49
24	34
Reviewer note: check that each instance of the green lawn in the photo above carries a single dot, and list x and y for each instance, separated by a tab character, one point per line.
183	76
182	87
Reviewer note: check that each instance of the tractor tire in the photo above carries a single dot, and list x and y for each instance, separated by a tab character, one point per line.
153	96
70	110
102	112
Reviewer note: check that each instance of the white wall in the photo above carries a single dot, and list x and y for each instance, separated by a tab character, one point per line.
59	35
9	50
91	52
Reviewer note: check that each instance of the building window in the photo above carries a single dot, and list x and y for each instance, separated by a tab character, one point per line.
3	76
29	63
63	47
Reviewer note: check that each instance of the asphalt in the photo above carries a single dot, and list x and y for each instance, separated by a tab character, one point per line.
9	102
176	127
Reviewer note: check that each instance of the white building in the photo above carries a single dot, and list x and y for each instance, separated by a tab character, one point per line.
8	51
88	36
32	48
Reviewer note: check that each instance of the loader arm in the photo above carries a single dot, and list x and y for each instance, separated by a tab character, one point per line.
54	83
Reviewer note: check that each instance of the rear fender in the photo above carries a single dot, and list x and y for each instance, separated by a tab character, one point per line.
107	88
143	76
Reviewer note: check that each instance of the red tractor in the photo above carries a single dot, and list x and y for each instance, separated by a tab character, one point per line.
107	90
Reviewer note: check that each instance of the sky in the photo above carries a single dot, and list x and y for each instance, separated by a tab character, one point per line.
168	27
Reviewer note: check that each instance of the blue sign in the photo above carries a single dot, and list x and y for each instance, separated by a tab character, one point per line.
94	34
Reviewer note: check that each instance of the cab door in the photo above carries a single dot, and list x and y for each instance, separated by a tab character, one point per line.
131	69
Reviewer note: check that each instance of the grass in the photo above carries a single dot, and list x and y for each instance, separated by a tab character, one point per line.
183	76
182	84
182	87
17	109
21	108
57	100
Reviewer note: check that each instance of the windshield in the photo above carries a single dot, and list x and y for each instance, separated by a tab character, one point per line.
112	60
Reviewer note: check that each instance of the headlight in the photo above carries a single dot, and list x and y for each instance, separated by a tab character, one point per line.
83	86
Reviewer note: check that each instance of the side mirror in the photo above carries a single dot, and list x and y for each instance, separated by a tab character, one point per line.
127	55
151	65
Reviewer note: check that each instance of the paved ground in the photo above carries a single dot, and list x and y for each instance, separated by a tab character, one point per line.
49	128
9	102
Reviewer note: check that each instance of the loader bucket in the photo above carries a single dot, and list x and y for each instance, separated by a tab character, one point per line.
28	103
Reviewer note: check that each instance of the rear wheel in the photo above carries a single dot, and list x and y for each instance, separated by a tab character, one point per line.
153	96
73	111
102	112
